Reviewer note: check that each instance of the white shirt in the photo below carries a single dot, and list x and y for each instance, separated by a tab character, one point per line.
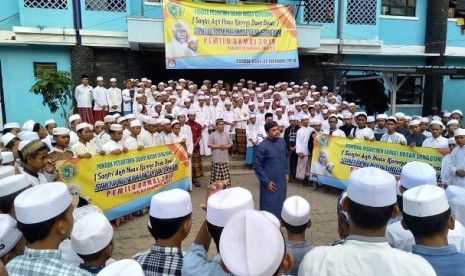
337	133
203	116
303	135
446	170
81	149
230	117
215	113
127	100
403	239
457	162
131	143
255	133
83	96
35	180
436	143
175	48
242	116
100	97
362	133
395	138
111	146
186	131
73	138
357	257
148	139
114	97
427	133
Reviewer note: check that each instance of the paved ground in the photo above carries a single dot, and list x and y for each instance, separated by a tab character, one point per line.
132	236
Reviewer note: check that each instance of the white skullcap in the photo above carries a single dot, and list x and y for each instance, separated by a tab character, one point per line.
459	132
221	206
122	268
121	119
174	122
246	238
458	112
7	157
436	122
372	187
42	202
143	79
116	127
399	115
11	125
83	211
99	123
74	118
99	78
112	80
271	218
28	136
6	171
252	116
292	118
227	102
451	141
13	183
131	116
165	122
447	114
109	119
28	125
296	211
91	234
370	119
453	121
60	131
425	201
279	109
81	126
51	121
436	118
313	86
424	120
360	114
414	123
175	203
22	144
416	173
9	234
7	138
324	88
135	123
305	117
392	118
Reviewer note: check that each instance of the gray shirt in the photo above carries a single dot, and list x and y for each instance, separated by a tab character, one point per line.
220	138
298	251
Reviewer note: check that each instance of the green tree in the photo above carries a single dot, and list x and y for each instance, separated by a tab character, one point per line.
55	88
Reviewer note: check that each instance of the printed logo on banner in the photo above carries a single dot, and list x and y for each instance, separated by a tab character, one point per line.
323	142
68	172
175	10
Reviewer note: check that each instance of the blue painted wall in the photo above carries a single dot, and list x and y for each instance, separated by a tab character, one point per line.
453	96
9	15
455	38
104	20
48	18
18	77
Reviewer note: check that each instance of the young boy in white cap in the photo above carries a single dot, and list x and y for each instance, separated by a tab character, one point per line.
92	240
221	206
371	201
295	217
84	148
73	121
115	146
61	150
132	142
428	216
170	223
251	244
12	242
10	187
458	159
45	217
414	174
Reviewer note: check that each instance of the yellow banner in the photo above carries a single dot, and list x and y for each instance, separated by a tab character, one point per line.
124	183
201	35
334	158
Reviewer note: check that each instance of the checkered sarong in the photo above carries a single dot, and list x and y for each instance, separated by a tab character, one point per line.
220	171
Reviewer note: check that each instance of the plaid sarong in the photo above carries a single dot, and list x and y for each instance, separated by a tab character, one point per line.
220	171
197	165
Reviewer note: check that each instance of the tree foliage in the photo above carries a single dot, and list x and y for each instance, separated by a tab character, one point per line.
55	88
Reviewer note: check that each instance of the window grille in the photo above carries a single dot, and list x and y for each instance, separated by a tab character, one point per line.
106	5
46	4
361	12
320	11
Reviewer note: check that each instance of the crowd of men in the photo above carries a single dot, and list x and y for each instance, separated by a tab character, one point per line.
411	226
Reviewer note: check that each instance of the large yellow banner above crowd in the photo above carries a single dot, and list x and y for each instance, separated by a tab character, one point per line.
124	183
215	36
334	158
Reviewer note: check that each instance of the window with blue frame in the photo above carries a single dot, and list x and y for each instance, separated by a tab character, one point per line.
399	7
106	5
46	4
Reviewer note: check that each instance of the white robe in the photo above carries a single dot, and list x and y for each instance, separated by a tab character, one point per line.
457	162
436	143
114	97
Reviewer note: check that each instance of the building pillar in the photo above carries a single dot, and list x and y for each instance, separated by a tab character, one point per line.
82	63
435	43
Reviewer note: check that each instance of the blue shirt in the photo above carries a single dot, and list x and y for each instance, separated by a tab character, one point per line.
444	260
196	263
